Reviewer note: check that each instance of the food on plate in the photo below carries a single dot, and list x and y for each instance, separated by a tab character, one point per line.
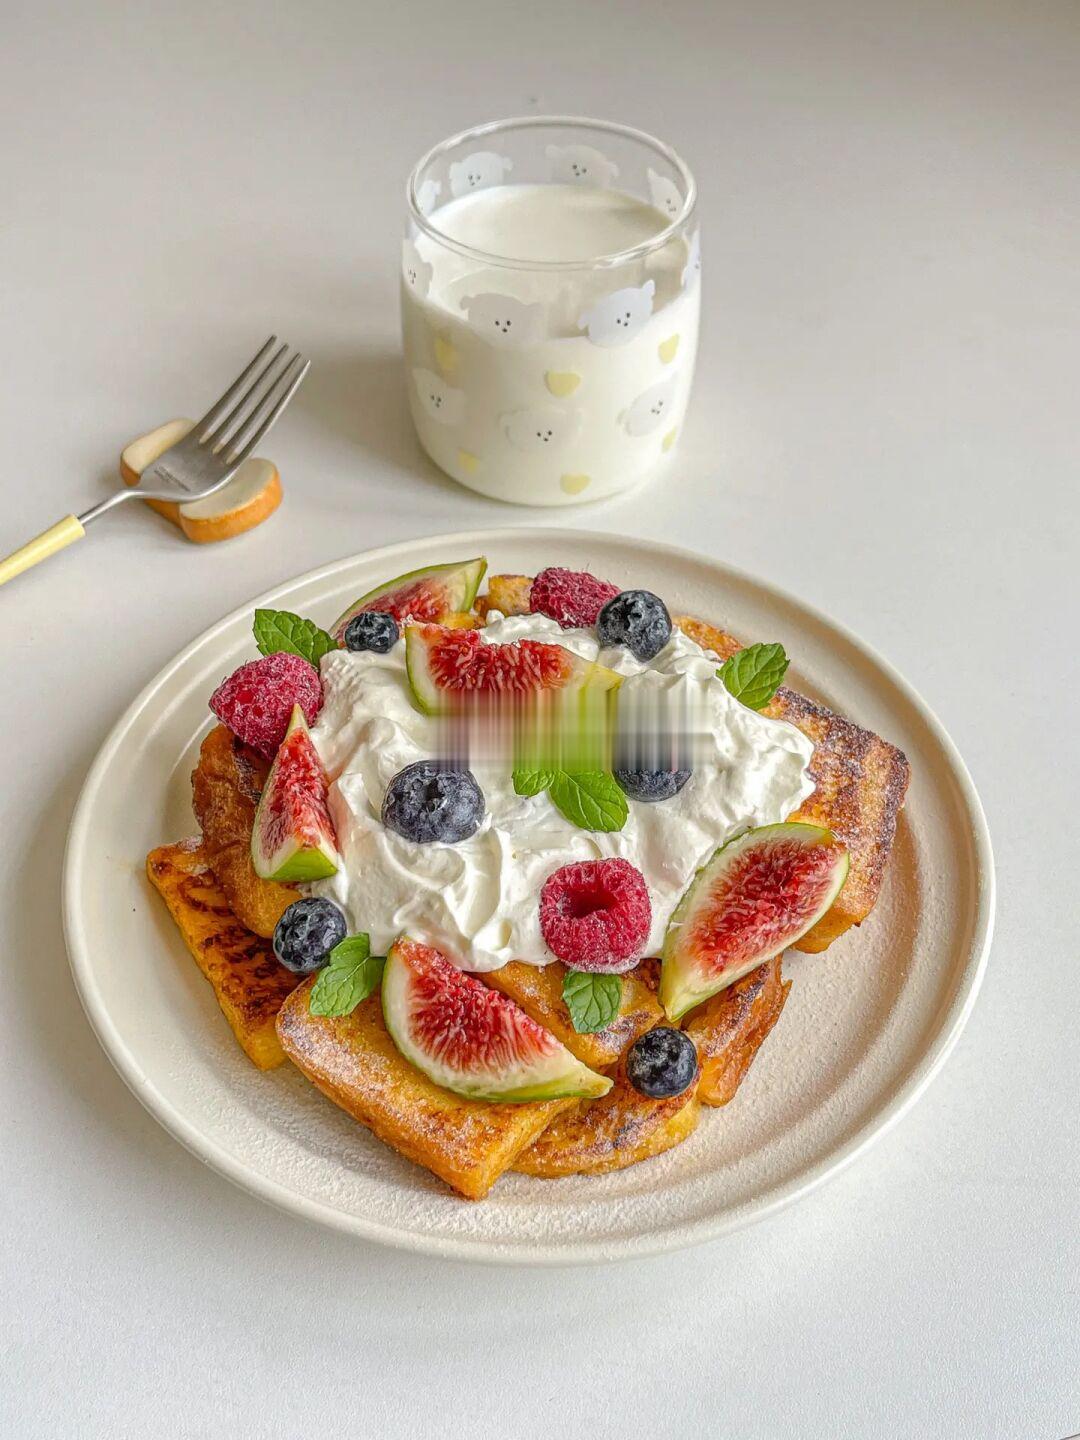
353	1061
226	785
307	933
429	802
758	894
545	960
293	835
572	597
371	630
637	619
662	1063
471	1039
447	665
729	1029
595	915
257	701
435	593
249	983
620	1129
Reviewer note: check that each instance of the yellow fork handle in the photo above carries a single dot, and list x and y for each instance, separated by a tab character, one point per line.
41	547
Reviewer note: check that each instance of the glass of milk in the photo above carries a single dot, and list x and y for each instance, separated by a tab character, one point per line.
550	295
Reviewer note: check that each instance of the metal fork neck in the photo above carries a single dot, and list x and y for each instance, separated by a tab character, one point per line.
107	504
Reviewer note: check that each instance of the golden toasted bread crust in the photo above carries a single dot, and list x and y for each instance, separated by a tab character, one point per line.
353	1061
730	1029
225	789
508	594
250	984
618	1130
538	990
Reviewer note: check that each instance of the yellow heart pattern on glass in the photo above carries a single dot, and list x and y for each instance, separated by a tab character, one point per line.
667	349
446	357
575	484
468	461
669	439
562	382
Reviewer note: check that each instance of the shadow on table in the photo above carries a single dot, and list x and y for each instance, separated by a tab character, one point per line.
360	395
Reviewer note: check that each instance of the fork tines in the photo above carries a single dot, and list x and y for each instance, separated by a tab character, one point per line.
235	437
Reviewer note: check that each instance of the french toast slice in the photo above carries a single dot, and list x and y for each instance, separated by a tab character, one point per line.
729	1030
248	981
225	788
618	1130
623	1127
860	779
354	1062
538	990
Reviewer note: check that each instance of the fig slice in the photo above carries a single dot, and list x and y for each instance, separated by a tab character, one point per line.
471	1039
445	665
753	898
293	835
429	594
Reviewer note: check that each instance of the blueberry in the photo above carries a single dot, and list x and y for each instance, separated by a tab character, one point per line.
637	619
307	932
652	785
371	630
661	1063
428	801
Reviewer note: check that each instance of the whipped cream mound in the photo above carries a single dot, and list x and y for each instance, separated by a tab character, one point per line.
478	901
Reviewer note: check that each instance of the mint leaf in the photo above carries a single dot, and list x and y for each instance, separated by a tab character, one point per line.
590	799
350	975
282	630
593	1000
753	675
530	780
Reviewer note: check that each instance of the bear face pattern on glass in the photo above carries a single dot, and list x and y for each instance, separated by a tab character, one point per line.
550	281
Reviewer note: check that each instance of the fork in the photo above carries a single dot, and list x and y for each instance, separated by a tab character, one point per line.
207	457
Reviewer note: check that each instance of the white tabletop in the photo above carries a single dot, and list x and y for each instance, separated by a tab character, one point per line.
885	422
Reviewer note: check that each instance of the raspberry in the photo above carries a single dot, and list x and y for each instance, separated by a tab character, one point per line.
572	597
596	915
256	701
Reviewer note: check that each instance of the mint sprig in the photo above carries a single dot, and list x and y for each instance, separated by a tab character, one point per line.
532	780
590	799
349	976
754	675
277	630
593	1000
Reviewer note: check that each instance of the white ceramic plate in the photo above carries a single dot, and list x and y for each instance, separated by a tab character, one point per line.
865	1029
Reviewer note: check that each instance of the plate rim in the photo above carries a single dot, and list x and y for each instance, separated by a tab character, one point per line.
654	1242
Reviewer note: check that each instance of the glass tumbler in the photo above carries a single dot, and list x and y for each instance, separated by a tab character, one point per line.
550	299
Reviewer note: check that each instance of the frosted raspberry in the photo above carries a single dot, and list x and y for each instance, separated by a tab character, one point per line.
596	915
255	702
572	597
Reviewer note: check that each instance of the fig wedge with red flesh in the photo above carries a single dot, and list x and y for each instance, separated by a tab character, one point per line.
429	594
757	895
471	1039
446	666
293	836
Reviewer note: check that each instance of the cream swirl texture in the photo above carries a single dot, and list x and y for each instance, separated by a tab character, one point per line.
478	900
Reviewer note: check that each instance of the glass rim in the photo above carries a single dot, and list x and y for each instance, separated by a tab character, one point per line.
492	127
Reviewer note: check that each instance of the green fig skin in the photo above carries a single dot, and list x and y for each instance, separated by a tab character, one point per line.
568	1077
291	863
684	984
460	579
